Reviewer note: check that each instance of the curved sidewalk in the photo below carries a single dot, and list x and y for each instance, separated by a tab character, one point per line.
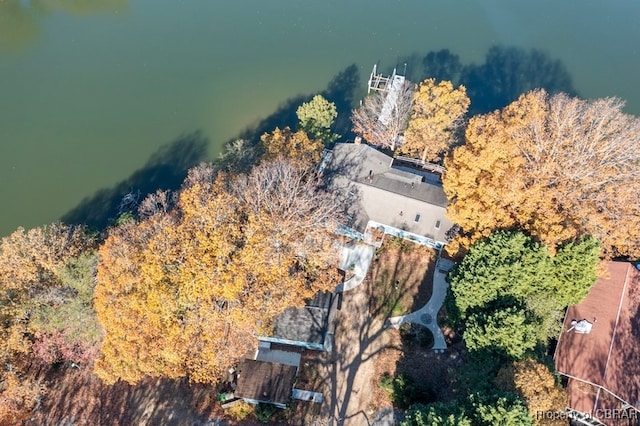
355	258
428	314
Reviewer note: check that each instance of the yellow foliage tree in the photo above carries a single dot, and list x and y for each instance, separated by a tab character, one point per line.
294	145
182	291
436	116
18	398
557	167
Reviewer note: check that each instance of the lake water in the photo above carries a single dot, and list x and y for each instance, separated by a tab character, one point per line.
91	90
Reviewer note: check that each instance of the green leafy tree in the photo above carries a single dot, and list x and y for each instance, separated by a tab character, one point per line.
507	263
575	270
316	118
500	409
494	408
505	331
437	414
401	389
510	270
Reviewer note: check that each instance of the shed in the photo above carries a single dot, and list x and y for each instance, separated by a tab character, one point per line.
265	382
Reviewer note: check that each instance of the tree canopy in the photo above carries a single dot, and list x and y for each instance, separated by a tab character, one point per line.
384	130
316	118
556	166
437	414
297	146
510	292
437	114
182	291
535	384
44	281
506	329
495	409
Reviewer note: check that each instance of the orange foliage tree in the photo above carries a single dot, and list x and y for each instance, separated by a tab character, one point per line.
182	291
297	146
535	384
437	114
555	166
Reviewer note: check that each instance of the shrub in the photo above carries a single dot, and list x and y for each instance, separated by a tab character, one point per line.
240	410
264	412
401	389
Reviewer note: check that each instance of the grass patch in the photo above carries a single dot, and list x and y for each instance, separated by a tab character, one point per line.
401	278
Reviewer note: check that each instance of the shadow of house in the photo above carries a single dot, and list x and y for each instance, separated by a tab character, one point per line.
601	360
386	197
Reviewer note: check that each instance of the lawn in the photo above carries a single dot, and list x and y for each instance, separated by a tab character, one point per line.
401	277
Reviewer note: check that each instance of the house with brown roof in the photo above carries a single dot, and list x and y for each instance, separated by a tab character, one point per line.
599	350
265	382
270	376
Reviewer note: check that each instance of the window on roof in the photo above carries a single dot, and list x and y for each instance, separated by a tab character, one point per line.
437	226
417	219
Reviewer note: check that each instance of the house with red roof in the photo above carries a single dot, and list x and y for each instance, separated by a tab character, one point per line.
599	350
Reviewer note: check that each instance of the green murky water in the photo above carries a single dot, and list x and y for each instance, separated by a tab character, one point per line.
90	90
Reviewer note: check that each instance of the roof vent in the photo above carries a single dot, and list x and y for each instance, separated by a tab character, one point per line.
581	327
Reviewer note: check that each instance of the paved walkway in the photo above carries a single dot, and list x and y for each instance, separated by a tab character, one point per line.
355	259
428	314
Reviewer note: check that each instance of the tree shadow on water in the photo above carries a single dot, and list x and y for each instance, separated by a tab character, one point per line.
507	72
166	169
340	90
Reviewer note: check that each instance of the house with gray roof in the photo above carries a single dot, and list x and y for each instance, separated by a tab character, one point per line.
309	327
271	375
384	196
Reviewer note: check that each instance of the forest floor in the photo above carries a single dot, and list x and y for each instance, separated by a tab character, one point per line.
76	396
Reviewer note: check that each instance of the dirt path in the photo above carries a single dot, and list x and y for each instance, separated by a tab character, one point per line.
359	338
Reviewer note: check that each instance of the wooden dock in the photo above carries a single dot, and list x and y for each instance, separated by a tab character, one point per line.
391	85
